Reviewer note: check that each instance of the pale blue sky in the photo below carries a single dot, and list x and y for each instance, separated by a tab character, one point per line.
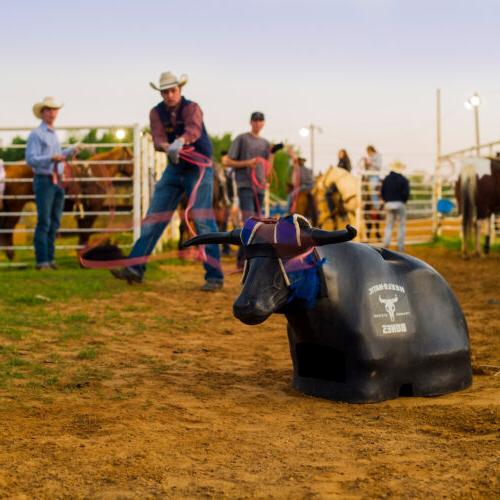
365	70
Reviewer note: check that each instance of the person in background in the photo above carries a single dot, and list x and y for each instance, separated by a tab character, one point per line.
395	193
243	157
45	156
246	155
301	178
344	160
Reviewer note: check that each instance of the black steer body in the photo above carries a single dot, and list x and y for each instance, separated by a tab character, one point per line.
388	325
381	325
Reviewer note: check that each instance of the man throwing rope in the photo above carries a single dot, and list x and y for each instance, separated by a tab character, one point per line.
177	127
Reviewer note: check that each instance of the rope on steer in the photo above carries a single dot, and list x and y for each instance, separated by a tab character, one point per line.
298	261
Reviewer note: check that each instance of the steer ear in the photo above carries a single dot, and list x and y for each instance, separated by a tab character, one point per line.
320	237
232	237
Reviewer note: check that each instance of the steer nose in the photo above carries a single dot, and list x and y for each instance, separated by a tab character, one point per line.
249	311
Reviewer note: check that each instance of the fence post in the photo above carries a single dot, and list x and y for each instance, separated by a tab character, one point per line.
359	210
145	166
137	213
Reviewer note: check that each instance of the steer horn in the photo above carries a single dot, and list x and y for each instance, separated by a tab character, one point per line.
232	237
320	237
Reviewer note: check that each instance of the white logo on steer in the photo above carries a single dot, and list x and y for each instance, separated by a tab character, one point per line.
389	305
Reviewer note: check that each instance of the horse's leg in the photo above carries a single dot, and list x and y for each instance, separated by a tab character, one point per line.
9	224
487	240
465	236
477	238
6	240
85	222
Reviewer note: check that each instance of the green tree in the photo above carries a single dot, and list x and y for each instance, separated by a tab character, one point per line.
220	144
14	154
281	174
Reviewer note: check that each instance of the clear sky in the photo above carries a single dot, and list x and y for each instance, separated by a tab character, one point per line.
366	71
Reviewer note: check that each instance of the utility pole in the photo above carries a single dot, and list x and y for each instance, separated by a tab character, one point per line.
438	183
476	121
473	103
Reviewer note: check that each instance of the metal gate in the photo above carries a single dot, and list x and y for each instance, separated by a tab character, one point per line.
131	188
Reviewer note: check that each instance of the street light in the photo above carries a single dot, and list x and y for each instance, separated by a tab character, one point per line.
309	132
473	102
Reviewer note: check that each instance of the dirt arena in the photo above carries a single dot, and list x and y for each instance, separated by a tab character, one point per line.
175	398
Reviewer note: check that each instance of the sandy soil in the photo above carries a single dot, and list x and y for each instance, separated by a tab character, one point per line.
184	401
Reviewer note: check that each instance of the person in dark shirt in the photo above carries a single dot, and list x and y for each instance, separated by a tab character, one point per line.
395	193
177	122
344	160
246	156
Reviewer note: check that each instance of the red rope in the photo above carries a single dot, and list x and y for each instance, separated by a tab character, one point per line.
256	184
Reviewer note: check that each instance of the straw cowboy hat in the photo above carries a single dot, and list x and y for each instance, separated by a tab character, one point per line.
48	102
397	166
169	80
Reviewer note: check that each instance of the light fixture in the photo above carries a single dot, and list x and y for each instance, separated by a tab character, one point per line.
472	102
304	132
120	134
475	100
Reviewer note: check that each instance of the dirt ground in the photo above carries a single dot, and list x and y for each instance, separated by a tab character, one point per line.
181	400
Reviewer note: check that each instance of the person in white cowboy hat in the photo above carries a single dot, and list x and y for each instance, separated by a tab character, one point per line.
395	193
177	122
45	156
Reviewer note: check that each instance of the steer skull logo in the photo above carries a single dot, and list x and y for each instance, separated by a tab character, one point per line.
390	306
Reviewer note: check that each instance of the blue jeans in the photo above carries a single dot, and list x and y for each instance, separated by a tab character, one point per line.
248	208
176	180
395	210
248	205
49	200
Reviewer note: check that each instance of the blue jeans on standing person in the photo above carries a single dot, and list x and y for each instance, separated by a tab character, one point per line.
49	200
395	210
175	181
248	199
248	203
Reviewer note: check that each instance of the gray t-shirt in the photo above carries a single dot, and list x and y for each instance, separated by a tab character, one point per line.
245	147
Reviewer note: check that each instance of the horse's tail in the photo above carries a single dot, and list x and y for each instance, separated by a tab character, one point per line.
468	190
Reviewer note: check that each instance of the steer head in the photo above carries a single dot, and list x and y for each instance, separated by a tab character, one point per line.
280	262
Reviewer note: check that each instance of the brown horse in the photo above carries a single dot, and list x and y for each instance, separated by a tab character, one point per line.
19	185
478	194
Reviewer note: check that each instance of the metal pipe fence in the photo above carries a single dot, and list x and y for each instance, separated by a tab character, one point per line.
125	204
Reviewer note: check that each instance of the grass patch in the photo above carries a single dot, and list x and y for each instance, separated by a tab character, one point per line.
85	377
36	323
87	353
13	333
454	244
